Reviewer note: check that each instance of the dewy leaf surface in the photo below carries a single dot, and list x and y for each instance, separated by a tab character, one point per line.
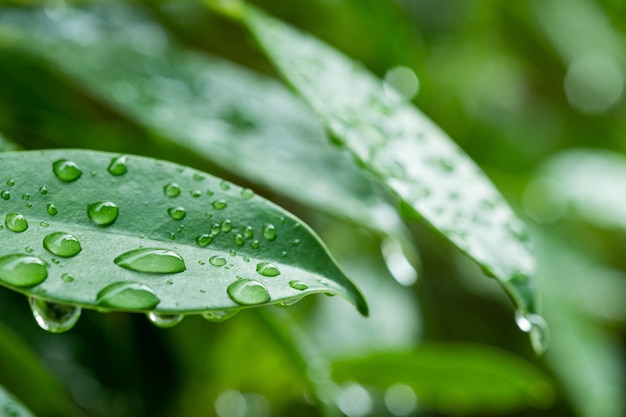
11	407
121	232
405	151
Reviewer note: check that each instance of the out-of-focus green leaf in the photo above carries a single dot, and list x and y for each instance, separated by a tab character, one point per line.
405	151
11	407
22	372
130	233
6	144
458	379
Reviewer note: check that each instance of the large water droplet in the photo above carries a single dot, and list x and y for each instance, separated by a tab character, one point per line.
227	226
117	166
66	170
536	327
298	285
248	292
269	232
267	269
103	213
165	320
54	317
217	260
128	295
22	270
171	190
219	316
16	222
177	213
204	240
154	260
51	209
62	244
219	204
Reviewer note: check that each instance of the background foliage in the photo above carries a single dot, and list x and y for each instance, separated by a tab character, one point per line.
531	90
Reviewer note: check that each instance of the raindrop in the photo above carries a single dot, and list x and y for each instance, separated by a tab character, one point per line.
62	244
198	177
284	254
227	226
537	328
219	316
215	229
196	193
289	302
127	295
43	190
225	186
248	292
29	204
296	242
22	270
5	195
51	209
117	166
164	320
103	213
177	213
233	252
153	260
29	249
298	285
44	224
67	278
219	204
54	317
66	171
25	196
269	232
11	183
247	193
171	190
246	259
248	232
239	240
172	236
267	269
16	222
204	240
255	244
217	260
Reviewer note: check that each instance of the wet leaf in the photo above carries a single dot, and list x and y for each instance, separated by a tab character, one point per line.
11	407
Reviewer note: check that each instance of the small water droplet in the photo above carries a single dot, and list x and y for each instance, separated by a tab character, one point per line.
217	260
43	190
204	240
16	222
128	295
248	232
248	292
246	259
267	269
11	183
66	170
165	320
172	236
177	213
298	285
6	195
62	244
233	252
51	209
55	261
219	316
219	204
196	193
67	278
269	232
296	242
44	224
25	196
288	303
153	260
247	193
117	166
239	240
227	226
224	186
171	190
209	193
537	328
22	270
54	317
284	254
255	244
29	249
102	213
198	177
29	204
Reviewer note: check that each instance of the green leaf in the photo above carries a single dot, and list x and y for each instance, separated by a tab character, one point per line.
119	232
406	152
11	407
454	378
6	144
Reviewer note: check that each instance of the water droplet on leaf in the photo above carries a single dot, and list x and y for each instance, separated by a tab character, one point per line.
255	244
204	240
43	190
248	292
66	171
219	204
537	328
16	222
128	295
239	240
219	316
298	285
103	213
54	317
198	177
22	270
225	186
171	190
67	278
44	224
269	232
164	320
217	260
248	232
247	193
6	195
177	213
117	166
267	269
227	226
51	209
62	244
11	183
153	260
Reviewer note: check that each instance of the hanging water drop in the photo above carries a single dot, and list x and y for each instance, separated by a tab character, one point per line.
117	166
62	244
248	292
267	269
204	240
171	190
536	327
219	316
66	171
298	285
54	317
217	260
219	204
164	320
51	209
16	222
247	193
153	260
128	295
269	232
177	213
22	270
103	213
